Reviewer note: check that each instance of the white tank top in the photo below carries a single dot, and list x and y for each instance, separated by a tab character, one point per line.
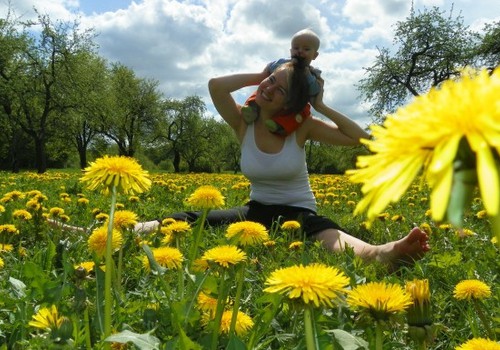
277	178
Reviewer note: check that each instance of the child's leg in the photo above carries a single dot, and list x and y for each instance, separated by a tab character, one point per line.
285	124
250	110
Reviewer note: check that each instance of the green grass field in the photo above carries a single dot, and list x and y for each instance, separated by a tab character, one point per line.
158	307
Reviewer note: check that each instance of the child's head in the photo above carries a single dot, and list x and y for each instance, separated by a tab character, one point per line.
305	44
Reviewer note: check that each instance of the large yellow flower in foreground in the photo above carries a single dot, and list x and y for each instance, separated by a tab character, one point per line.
247	232
123	172
479	344
316	283
379	300
471	289
98	238
206	197
47	318
454	127
224	255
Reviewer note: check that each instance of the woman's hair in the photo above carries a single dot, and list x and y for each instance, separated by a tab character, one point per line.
298	86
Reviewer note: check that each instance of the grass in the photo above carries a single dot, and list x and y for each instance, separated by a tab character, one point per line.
150	309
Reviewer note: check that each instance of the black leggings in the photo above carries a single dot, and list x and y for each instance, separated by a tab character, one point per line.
267	215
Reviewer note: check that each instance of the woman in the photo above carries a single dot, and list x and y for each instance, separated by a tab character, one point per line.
276	166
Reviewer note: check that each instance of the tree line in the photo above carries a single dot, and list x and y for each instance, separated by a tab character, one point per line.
61	103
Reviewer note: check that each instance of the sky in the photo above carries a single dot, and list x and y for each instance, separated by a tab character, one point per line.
182	44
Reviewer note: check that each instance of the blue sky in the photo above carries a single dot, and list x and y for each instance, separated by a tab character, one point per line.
181	44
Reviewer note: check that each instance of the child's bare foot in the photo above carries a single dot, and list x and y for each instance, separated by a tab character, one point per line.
408	249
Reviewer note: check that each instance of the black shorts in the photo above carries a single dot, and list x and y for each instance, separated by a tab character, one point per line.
265	214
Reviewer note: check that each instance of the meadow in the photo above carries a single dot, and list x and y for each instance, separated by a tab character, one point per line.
52	280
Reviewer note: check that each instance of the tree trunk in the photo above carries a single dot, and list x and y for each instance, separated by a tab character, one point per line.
177	161
40	155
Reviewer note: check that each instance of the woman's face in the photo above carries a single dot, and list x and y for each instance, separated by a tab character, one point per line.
272	91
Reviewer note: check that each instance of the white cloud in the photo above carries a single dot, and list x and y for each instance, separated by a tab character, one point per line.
184	43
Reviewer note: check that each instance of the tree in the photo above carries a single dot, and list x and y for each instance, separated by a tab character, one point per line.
183	131
430	48
36	83
488	49
134	107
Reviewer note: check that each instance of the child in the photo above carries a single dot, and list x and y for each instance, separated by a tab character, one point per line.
305	44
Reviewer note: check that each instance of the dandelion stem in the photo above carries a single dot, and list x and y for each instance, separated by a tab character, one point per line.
483	318
109	270
379	335
197	237
236	306
310	330
180	272
221	301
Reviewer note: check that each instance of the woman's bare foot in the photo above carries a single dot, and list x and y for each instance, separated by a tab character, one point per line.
408	249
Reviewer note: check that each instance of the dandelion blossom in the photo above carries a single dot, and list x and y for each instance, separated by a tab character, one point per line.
47	319
98	238
9	228
379	300
124	220
122	172
479	344
243	323
22	214
431	134
165	256
290	225
471	289
206	197
316	283
248	233
224	255
176	228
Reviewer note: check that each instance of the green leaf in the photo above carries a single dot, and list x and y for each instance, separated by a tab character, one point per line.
348	341
235	343
18	287
142	341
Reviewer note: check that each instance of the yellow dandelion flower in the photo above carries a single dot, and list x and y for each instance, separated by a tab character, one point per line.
47	319
247	233
379	300
479	344
290	225
168	221
243	323
419	313
431	134
5	247
124	173
206	197
2	209
83	201
88	266
471	289
316	283
22	214
9	228
295	245
481	214
33	204
270	243
206	303
102	217
98	238
2	264
224	255
124	219
168	257
56	212
176	228
134	199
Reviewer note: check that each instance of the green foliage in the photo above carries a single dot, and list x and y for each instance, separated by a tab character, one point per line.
428	48
151	312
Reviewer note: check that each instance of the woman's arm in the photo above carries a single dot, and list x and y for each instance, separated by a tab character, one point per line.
220	89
